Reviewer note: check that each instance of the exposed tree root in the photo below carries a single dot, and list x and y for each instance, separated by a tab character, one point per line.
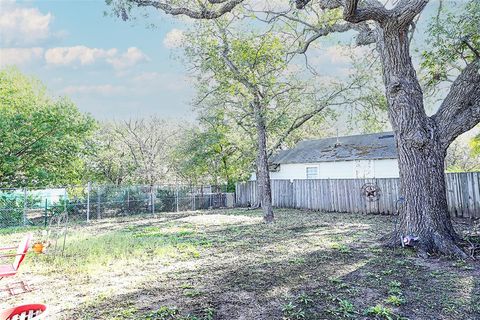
255	207
268	218
432	244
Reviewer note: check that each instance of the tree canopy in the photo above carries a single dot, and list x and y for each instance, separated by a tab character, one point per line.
42	139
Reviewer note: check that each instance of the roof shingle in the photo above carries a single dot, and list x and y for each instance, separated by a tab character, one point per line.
359	147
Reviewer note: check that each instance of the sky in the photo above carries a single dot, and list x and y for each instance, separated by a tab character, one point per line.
110	68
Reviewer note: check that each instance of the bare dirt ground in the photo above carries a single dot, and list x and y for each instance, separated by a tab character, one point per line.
229	265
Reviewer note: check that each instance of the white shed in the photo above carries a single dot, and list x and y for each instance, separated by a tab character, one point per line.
350	157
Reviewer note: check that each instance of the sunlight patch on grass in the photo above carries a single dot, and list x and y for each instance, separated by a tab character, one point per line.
221	219
92	254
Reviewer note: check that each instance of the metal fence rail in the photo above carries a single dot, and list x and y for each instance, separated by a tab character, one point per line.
378	196
33	206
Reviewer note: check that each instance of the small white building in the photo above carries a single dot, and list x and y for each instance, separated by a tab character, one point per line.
351	157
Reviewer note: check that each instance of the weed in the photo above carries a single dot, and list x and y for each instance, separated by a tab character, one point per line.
164	313
436	273
341	247
192	293
289	307
292	312
381	312
395	300
304	299
387	272
345	308
335	280
209	313
394	288
186	286
128	313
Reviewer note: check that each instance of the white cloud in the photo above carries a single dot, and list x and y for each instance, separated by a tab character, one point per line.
174	39
77	54
132	57
74	56
19	56
20	26
106	89
85	56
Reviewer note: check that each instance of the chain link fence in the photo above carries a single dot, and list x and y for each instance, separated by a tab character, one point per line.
30	206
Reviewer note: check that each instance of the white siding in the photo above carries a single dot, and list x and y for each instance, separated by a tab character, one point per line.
385	168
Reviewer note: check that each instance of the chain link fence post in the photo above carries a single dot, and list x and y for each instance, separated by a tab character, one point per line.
25	206
89	186
210	197
99	215
152	198
128	200
176	196
46	213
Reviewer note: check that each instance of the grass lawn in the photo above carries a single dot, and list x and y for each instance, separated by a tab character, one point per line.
229	265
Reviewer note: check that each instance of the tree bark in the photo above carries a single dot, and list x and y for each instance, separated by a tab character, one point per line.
421	150
425	212
263	174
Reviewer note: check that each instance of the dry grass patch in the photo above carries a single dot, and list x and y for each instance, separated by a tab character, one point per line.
229	265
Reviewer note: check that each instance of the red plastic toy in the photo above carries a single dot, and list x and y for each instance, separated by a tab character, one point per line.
27	312
9	270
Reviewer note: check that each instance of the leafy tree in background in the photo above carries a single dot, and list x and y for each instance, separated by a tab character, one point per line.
213	153
42	139
463	155
107	159
243	77
135	151
454	40
367	104
244	68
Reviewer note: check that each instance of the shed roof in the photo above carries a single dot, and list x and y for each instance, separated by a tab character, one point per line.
359	147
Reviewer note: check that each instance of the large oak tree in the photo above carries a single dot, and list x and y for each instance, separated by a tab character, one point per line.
422	140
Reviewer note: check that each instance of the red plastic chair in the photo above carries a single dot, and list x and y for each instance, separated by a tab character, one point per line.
8	270
25	312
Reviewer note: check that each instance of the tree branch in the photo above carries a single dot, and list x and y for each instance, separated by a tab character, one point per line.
460	111
407	10
373	11
323	32
202	13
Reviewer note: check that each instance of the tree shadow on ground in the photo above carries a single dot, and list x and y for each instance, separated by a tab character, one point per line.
302	269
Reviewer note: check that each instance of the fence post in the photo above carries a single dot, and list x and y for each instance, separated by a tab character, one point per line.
65	200
193	196
176	195
152	199
89	186
98	203
210	197
46	212
128	199
25	206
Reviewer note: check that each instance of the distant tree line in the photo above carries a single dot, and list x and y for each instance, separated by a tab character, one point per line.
49	142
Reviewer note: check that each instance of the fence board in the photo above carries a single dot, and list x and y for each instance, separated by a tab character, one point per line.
345	195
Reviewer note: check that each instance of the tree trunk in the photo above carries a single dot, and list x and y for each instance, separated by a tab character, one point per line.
424	212
421	153
263	174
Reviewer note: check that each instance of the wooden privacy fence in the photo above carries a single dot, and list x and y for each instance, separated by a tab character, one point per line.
379	196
